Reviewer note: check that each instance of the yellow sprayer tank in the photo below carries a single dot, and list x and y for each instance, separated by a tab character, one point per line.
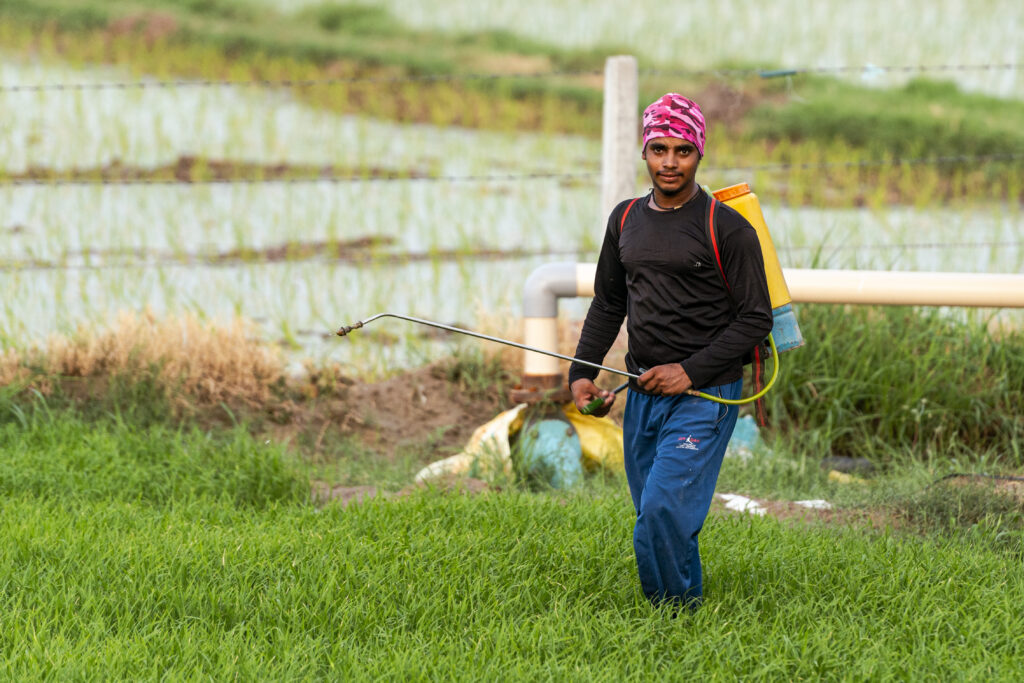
785	331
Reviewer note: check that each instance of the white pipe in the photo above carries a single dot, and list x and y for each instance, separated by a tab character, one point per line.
542	333
901	288
885	287
546	284
552	281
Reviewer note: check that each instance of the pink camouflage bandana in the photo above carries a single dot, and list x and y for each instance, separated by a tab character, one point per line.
674	116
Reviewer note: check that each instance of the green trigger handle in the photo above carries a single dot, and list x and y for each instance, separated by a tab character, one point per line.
598	402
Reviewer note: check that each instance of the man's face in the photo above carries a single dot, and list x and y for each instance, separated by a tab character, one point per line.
672	163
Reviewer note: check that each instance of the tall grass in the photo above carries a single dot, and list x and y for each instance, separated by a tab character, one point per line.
898	384
180	364
950	394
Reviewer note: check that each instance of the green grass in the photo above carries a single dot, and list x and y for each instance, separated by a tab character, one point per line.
901	384
64	456
925	119
101	576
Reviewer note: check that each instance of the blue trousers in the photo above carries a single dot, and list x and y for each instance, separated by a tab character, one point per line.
674	447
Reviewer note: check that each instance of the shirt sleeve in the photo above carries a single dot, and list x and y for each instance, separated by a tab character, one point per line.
607	308
743	264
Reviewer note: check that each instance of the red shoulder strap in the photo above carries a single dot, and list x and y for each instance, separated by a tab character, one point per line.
625	213
714	241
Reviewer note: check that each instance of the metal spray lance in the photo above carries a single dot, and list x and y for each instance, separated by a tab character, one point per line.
597	402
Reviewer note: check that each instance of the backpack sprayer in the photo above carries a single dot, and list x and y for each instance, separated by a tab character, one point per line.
784	326
785	331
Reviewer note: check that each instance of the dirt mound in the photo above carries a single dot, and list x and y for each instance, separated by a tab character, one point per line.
424	409
420	406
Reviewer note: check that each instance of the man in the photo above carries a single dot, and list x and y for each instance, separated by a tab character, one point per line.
658	270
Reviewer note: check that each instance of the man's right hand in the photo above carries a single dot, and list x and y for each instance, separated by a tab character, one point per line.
584	391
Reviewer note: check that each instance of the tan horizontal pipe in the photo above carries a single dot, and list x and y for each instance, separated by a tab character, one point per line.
886	288
879	287
902	288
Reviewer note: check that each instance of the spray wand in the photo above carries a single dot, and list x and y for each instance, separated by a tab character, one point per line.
597	402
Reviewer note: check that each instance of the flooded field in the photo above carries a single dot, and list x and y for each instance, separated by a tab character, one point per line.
453	240
65	128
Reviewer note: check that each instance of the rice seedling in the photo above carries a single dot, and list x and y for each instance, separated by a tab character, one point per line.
140	126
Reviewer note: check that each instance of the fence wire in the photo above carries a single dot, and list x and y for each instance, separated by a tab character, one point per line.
297	180
286	83
329	177
99	260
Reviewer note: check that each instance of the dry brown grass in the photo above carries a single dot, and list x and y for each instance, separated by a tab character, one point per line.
12	369
195	361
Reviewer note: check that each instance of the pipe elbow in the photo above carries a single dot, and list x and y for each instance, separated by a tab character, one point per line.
545	285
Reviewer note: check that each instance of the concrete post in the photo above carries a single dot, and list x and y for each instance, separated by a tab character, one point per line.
620	148
619	153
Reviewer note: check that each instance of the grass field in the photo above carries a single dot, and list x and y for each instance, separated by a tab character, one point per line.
142	554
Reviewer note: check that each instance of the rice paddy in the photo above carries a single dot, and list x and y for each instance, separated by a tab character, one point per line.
478	211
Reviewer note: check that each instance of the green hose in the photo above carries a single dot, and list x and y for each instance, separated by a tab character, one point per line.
749	399
598	402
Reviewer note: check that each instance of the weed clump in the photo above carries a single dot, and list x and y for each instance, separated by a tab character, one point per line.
988	508
478	375
178	363
891	383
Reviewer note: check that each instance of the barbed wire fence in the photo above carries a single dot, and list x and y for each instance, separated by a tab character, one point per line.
40	176
144	83
328	175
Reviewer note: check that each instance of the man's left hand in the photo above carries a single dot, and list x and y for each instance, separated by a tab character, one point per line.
666	380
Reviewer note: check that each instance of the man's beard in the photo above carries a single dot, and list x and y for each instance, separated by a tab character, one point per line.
668	193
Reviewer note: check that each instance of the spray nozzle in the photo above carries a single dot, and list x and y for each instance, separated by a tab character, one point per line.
345	329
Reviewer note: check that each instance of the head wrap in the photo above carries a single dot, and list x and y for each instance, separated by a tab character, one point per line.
674	116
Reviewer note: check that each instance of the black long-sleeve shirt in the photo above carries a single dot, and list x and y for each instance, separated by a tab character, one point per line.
660	274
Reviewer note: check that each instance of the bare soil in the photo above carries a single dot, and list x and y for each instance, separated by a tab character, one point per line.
422	406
